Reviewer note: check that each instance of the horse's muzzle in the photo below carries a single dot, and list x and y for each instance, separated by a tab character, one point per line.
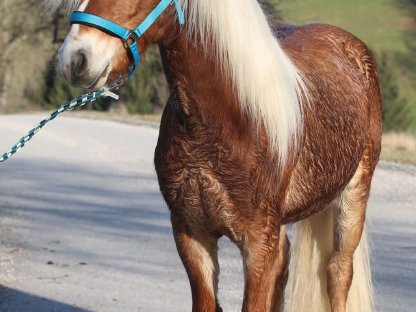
77	69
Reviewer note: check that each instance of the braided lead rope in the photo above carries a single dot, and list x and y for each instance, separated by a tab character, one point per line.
78	102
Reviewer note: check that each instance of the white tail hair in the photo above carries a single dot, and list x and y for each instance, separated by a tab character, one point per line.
269	87
311	249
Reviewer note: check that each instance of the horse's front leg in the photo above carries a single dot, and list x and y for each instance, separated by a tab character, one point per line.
198	252
264	270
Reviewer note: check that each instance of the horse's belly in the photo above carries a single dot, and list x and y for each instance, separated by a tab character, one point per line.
324	169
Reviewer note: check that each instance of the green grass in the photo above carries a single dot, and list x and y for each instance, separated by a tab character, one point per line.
379	23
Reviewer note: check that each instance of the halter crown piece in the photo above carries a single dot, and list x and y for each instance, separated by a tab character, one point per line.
128	36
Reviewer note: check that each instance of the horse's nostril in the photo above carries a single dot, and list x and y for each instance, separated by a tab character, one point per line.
79	63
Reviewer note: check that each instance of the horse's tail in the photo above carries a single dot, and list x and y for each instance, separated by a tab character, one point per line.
311	249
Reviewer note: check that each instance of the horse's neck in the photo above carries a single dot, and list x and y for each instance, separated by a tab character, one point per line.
201	89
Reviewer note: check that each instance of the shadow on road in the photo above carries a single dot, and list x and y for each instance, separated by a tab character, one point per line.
24	302
105	229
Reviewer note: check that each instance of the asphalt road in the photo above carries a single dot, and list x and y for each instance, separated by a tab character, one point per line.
84	228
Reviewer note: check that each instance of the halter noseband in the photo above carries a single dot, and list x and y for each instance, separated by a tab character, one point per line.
128	36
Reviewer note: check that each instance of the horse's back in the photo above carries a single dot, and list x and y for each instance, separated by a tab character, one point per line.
343	118
331	52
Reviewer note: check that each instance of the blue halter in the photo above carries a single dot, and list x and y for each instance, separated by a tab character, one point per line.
128	36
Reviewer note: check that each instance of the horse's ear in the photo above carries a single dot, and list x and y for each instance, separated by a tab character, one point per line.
53	5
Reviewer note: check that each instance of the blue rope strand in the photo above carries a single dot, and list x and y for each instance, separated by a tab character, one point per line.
78	102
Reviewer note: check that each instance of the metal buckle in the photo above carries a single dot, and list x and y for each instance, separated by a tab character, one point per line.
130	40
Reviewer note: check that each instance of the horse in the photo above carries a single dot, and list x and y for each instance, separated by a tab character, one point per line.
265	126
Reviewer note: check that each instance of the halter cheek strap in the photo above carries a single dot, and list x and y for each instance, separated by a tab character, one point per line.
128	36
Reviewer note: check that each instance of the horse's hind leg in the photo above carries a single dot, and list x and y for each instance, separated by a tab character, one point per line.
262	268
283	271
349	217
198	252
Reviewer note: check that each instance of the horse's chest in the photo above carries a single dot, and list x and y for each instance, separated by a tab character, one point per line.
194	191
204	182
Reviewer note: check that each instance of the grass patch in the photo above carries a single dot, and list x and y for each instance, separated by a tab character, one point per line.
380	23
124	118
399	147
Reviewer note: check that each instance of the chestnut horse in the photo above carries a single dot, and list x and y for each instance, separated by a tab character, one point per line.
265	126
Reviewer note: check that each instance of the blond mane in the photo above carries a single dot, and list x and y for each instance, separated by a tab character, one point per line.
269	86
